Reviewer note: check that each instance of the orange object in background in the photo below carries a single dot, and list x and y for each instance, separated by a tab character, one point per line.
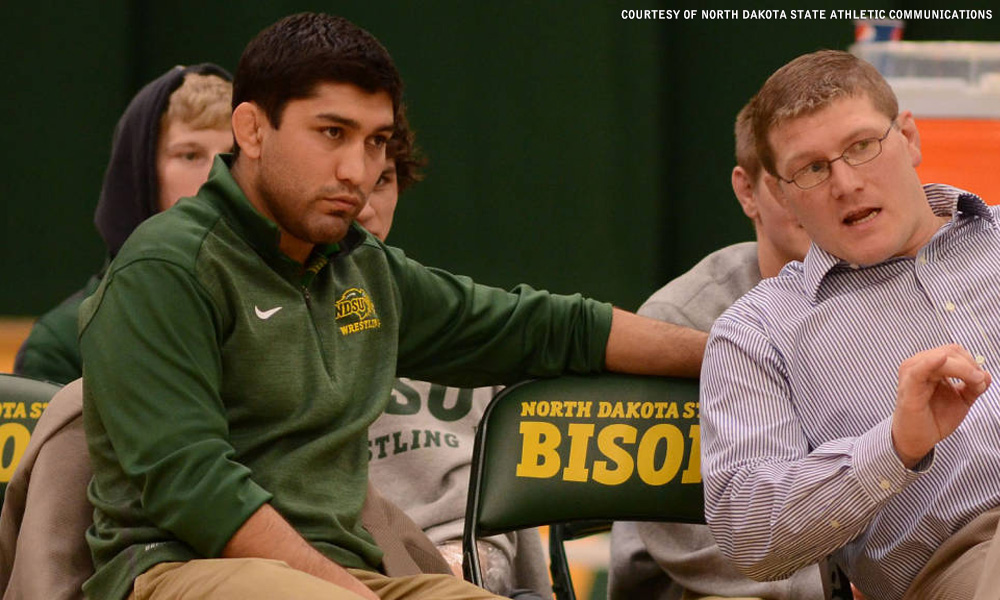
13	331
964	153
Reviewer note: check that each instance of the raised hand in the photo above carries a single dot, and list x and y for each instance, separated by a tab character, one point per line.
936	389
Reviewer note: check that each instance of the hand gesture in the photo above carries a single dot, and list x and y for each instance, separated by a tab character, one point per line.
936	389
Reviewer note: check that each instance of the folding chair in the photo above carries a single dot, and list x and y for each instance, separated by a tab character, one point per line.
22	401
575	450
45	513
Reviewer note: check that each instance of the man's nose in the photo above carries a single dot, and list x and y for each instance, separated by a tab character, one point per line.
351	167
366	213
844	178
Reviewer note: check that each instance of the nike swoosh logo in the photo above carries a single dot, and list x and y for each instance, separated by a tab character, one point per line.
265	314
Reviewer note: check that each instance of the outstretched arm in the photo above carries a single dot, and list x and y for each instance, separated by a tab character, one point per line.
651	347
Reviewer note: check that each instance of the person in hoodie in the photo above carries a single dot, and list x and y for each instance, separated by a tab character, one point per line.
162	151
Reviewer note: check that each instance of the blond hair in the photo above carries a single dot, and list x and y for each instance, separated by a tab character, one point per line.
202	102
811	83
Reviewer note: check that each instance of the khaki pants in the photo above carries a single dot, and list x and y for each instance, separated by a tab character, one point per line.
965	567
689	596
260	579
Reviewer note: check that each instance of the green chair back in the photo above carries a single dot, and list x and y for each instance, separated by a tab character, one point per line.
22	401
585	448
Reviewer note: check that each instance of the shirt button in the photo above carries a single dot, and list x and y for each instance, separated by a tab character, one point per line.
922	260
835	523
885	485
980	360
949	306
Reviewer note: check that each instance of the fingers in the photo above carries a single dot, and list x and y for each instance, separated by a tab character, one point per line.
952	363
970	391
936	389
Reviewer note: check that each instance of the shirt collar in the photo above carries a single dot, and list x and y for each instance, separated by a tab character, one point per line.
944	200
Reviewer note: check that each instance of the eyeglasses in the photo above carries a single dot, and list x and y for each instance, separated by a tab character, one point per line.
858	153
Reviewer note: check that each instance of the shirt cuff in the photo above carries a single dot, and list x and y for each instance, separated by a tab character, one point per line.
878	468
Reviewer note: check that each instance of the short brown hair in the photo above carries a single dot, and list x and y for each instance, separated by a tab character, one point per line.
202	102
810	83
746	151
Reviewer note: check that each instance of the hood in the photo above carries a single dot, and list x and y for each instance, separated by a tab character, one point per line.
130	190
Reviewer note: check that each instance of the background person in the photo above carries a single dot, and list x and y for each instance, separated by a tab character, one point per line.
162	150
420	449
679	561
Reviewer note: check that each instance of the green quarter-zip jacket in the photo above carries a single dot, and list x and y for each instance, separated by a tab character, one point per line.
220	375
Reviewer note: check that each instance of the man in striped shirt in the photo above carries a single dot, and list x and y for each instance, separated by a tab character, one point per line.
846	407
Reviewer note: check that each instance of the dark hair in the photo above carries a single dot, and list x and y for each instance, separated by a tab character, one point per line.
402	149
287	60
811	83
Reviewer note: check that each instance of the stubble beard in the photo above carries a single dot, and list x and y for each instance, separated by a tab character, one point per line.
304	220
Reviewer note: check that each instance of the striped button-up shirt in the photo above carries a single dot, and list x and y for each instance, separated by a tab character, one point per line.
797	394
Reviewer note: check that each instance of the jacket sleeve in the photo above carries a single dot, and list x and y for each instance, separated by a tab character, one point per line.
773	503
50	353
52	350
150	341
456	332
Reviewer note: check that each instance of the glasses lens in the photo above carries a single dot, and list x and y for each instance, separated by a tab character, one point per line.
812	175
857	153
863	151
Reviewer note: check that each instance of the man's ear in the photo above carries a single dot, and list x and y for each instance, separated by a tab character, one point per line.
743	188
248	123
908	127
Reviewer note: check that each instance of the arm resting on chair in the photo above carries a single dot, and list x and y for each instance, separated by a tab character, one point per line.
650	347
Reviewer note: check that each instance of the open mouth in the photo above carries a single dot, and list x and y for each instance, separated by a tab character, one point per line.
861	216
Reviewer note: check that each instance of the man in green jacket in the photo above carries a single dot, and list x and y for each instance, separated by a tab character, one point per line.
241	343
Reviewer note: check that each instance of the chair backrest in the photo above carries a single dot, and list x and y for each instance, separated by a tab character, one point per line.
43	553
22	401
579	448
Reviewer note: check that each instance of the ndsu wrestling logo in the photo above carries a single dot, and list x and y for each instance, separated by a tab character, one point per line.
355	312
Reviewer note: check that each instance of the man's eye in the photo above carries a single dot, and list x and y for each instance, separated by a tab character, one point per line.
816	167
385	179
862	146
333	132
379	141
191	156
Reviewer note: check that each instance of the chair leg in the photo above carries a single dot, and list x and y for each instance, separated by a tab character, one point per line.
471	569
562	581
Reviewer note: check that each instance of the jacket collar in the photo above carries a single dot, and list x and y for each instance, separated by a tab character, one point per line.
263	234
